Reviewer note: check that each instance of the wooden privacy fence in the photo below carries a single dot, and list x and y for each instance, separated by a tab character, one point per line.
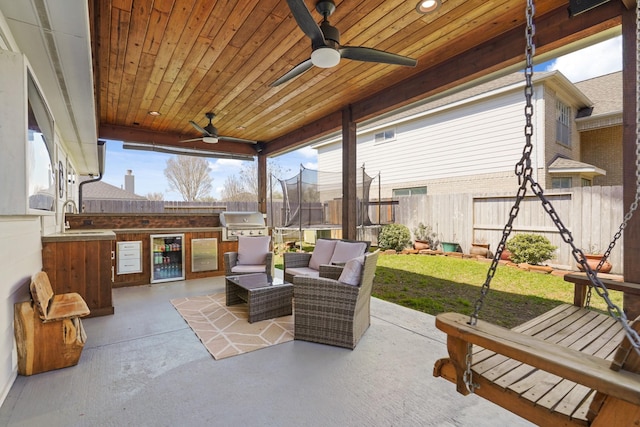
591	214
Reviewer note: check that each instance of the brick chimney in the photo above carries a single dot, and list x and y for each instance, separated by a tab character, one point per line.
129	184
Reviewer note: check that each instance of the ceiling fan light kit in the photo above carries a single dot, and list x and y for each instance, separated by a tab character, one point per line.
210	133
325	57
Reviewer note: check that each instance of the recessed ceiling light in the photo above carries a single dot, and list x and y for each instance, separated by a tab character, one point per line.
240	128
154	113
427	6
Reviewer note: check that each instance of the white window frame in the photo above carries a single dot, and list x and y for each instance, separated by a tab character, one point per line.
409	191
563	123
383	136
557	179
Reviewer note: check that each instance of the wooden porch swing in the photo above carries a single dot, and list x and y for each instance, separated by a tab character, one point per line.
569	366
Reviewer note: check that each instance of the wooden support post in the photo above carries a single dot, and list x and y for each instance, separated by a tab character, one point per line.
262	183
349	187
629	90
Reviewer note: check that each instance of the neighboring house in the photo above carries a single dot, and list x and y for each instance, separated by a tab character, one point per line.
96	195
470	141
600	127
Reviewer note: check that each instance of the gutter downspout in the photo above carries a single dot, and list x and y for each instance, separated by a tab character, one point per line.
101	159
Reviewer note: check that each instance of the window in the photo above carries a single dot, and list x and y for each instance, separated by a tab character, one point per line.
40	146
413	191
387	135
563	124
586	182
561	182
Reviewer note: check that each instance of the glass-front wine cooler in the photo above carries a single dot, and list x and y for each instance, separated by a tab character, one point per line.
167	257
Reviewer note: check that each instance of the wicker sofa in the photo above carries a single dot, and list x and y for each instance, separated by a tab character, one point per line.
329	311
327	251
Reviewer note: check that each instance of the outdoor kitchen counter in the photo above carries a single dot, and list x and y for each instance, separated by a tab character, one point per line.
80	236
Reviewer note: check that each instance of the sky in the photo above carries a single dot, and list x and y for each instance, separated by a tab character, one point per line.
148	167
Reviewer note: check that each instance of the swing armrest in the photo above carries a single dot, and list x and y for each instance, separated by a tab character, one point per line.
581	281
590	371
612	284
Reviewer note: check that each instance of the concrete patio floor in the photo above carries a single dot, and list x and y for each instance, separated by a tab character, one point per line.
143	366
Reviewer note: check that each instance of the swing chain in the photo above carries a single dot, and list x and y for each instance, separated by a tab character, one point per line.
524	171
466	377
523	168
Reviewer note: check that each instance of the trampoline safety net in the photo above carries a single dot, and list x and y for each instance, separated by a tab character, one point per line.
314	198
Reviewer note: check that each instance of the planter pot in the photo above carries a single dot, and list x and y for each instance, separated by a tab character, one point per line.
421	244
593	260
450	247
505	255
482	251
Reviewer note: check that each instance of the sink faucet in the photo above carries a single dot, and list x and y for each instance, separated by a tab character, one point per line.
65	224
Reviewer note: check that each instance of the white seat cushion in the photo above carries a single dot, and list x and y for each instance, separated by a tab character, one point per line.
303	271
253	250
249	268
322	253
344	251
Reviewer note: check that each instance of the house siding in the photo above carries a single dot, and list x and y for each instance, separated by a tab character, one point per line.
468	148
21	255
603	148
21	249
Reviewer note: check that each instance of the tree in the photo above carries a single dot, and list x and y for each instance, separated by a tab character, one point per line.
155	196
189	176
234	190
244	185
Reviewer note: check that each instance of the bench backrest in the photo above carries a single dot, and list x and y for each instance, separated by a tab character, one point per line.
41	292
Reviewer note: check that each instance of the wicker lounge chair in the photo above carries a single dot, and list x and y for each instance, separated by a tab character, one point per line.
253	256
331	312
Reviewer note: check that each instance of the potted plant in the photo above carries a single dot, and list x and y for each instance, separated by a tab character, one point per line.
425	237
593	257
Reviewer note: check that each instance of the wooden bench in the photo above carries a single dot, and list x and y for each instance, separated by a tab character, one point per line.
565	367
48	331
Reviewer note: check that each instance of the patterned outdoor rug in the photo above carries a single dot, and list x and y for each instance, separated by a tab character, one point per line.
225	331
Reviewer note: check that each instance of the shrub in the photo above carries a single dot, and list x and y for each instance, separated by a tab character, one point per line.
394	236
530	248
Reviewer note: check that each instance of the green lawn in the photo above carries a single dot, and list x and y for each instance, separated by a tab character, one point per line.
437	284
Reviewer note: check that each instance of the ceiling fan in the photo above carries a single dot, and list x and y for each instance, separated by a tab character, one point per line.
210	133
325	43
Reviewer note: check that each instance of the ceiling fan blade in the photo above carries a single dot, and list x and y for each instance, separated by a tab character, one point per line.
234	139
294	72
191	140
367	54
305	21
199	128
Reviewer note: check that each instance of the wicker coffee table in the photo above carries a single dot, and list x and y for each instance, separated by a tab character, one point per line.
267	297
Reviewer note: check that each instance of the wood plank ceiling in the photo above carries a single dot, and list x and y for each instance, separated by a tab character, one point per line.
184	58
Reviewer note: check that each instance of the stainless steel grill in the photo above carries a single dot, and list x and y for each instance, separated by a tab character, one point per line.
236	224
